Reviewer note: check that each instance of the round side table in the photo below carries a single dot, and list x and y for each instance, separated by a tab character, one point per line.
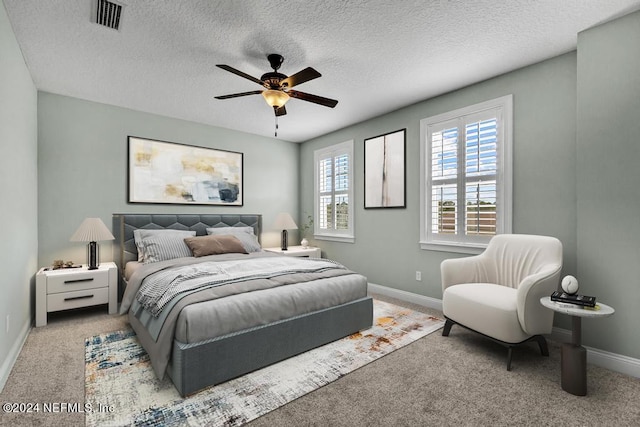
574	355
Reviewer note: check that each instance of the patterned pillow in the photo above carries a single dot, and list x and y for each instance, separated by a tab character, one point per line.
163	247
141	234
244	234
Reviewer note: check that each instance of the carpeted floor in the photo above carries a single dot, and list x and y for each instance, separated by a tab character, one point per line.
455	380
119	375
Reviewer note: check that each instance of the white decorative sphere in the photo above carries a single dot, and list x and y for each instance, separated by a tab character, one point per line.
570	285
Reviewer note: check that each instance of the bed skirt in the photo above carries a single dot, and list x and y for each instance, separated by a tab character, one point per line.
196	366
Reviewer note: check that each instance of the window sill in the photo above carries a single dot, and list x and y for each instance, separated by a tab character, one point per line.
461	248
335	238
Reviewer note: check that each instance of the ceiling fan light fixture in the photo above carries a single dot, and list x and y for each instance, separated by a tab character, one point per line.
275	98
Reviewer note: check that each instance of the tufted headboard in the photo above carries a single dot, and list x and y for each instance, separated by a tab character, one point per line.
124	248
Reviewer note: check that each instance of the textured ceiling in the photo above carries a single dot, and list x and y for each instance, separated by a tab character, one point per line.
375	56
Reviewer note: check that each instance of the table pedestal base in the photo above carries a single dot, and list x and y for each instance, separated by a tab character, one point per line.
574	369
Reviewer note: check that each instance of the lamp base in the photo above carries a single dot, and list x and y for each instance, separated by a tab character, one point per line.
284	240
92	249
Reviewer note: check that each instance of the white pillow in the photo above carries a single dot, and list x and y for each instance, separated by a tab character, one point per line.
141	234
244	234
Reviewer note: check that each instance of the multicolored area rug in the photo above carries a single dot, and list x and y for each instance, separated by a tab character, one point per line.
122	389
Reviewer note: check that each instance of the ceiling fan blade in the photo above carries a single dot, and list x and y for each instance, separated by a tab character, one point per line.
300	77
280	111
313	98
240	73
235	95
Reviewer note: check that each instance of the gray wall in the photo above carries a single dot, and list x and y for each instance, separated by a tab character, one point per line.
18	192
82	151
386	249
608	172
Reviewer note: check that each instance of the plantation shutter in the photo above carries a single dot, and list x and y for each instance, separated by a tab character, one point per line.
334	190
481	160
463	177
326	193
444	178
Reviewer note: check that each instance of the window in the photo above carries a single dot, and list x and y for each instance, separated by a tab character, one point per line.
334	193
466	176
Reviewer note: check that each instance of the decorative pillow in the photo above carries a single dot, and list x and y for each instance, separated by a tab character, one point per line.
163	247
140	235
244	234
214	245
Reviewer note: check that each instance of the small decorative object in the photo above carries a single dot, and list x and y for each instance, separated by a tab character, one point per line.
303	230
570	285
58	264
384	171
92	230
575	299
284	222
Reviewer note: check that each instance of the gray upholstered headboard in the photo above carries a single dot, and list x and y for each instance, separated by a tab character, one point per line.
124	248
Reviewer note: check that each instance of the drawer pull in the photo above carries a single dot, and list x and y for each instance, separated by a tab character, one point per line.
75	298
89	279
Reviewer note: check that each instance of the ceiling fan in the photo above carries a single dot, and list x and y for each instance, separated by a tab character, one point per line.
278	86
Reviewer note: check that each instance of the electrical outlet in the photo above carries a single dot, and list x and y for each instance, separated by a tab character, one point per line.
8	317
419	276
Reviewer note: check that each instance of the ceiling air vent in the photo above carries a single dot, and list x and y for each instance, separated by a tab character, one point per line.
108	14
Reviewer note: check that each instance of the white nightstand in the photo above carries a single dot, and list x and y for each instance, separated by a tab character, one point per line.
67	288
309	252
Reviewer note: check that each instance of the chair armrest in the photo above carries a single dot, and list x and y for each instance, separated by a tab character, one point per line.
455	271
534	317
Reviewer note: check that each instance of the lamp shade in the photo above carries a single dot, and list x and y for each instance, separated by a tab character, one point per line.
275	98
92	230
284	222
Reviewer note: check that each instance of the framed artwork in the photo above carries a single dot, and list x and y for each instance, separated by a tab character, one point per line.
384	171
171	173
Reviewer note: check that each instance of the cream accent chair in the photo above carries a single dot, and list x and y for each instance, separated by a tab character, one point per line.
497	293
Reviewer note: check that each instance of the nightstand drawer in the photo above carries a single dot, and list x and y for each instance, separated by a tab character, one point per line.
78	280
66	300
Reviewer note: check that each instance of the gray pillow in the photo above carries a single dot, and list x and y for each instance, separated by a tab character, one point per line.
244	234
214	245
140	235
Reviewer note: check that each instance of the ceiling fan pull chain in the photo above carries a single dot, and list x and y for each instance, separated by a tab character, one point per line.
276	132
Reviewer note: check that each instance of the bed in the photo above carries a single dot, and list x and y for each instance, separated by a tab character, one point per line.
208	336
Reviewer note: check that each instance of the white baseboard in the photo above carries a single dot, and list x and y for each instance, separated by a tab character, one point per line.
6	367
605	359
612	361
434	303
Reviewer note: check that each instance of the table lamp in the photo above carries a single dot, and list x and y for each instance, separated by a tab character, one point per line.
284	222
92	230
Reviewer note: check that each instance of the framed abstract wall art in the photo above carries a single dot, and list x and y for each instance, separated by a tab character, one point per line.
167	172
384	171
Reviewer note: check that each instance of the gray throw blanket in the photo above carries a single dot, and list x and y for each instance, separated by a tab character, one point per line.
164	286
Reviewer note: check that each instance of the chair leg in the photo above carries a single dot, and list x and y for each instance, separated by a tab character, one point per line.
447	327
542	343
